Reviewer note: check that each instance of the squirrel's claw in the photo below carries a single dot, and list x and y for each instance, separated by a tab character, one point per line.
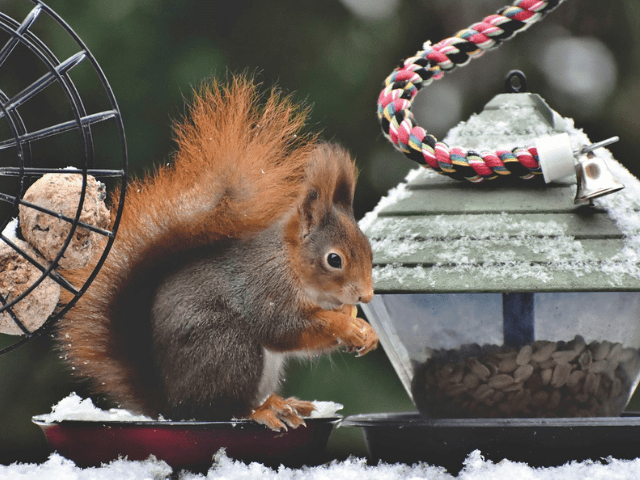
277	413
294	421
369	341
360	338
367	348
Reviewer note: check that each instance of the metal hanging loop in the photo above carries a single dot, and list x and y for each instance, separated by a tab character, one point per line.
515	82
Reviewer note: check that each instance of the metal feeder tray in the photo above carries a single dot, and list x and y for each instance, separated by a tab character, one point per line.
538	442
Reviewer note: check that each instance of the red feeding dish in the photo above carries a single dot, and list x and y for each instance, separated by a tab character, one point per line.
189	445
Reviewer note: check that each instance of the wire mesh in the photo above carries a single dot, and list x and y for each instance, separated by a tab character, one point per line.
60	118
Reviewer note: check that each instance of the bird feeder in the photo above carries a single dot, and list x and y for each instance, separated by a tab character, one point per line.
507	302
507	309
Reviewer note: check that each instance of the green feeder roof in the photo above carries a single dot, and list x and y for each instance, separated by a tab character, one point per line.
434	234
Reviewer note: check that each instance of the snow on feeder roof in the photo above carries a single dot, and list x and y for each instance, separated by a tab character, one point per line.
434	234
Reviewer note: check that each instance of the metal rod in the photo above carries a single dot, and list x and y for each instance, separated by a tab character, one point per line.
43	82
11	44
60	128
38	172
14	317
51	273
593	146
10	199
518	318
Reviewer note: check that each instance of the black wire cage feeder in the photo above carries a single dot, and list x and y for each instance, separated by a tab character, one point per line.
58	116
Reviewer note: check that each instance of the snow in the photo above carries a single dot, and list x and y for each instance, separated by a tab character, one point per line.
59	468
325	409
476	467
394	195
11	230
74	407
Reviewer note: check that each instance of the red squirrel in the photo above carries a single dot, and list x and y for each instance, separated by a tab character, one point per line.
241	253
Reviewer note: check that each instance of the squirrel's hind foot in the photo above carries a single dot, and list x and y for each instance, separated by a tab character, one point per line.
278	413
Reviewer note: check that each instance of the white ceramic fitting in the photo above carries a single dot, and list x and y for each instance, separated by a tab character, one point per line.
556	157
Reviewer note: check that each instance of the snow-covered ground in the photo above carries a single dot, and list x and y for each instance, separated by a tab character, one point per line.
476	468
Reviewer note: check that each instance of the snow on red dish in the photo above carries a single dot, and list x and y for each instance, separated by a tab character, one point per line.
91	437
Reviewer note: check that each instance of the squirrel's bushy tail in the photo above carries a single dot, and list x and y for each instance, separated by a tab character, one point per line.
238	166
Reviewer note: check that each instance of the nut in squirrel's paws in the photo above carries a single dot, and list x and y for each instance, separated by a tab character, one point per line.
278	413
360	337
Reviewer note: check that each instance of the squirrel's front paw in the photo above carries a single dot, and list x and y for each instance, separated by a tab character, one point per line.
360	337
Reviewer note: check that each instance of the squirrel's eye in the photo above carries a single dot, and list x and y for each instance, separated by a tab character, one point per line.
334	260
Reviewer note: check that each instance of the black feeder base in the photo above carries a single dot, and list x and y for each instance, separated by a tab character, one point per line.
538	442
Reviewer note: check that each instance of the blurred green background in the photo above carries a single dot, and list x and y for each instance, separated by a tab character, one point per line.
333	55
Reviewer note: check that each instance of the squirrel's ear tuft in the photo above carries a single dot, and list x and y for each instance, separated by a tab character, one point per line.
330	178
310	210
344	189
332	172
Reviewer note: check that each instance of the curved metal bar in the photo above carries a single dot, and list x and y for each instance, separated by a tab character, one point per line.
44	81
13	42
83	123
13	316
121	133
38	172
58	129
52	274
10	199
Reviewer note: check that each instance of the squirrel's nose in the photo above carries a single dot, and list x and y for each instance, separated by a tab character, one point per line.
366	298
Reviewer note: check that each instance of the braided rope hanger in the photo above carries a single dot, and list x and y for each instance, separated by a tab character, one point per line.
431	63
